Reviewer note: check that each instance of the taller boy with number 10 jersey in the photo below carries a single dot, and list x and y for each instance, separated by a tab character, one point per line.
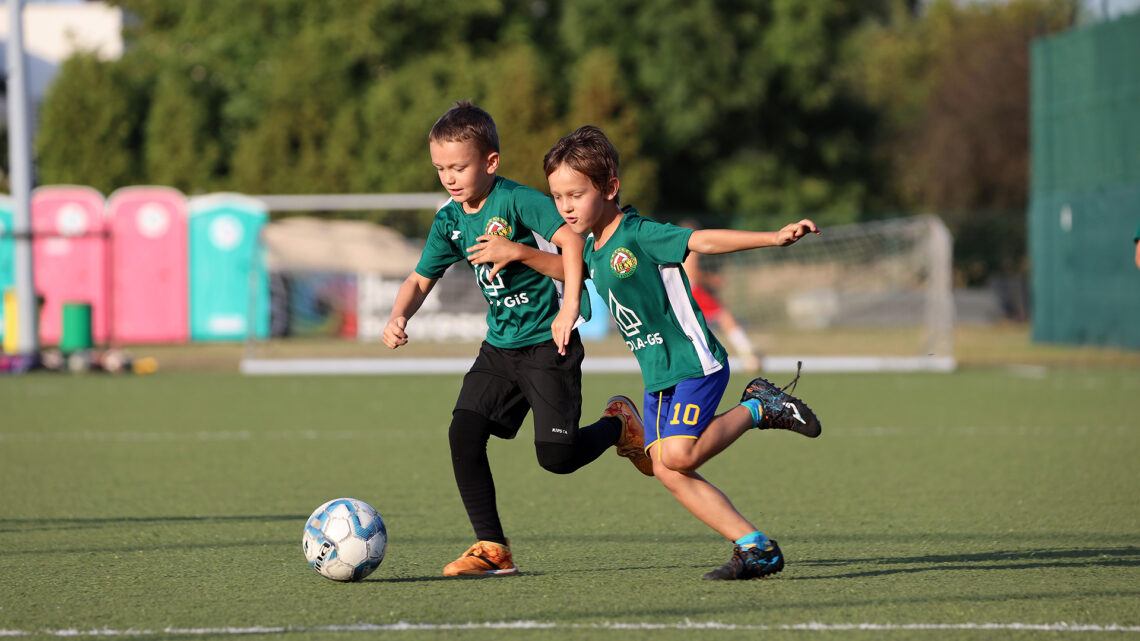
532	356
635	264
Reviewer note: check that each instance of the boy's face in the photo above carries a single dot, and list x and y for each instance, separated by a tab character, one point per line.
464	171
581	204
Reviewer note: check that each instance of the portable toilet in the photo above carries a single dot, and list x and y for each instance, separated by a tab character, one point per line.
229	284
69	255
7	249
149	274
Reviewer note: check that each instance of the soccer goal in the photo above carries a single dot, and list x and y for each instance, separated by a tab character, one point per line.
861	297
866	297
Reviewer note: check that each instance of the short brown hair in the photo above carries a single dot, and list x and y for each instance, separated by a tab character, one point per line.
588	152
466	123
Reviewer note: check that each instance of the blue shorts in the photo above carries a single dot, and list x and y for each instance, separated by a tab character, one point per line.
684	410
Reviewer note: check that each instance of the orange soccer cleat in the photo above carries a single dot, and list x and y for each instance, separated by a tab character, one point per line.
485	558
631	443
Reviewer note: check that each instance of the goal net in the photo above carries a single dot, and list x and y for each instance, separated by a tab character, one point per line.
867	296
863	297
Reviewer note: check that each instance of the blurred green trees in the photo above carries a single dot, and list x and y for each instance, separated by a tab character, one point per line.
92	129
747	111
950	88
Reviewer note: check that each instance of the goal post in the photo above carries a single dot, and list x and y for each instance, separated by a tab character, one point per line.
879	293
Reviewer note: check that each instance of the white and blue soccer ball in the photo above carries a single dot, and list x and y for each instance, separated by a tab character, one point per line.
345	540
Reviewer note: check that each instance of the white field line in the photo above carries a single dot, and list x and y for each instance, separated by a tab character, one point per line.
197	435
403	626
877	431
608	364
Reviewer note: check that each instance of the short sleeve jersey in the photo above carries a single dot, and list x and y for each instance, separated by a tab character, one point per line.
522	302
638	273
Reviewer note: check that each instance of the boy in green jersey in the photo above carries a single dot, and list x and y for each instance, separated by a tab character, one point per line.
636	266
531	360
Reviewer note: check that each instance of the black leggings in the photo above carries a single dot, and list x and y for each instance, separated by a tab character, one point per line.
468	435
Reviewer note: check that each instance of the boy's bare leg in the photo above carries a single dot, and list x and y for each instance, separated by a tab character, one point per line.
704	501
686	454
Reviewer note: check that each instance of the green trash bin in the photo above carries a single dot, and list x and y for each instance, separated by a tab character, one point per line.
76	333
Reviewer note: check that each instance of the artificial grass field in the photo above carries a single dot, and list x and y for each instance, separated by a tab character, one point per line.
172	506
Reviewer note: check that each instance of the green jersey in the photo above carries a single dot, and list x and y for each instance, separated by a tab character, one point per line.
522	302
638	273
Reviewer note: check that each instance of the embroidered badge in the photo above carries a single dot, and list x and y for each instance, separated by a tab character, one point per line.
623	262
499	227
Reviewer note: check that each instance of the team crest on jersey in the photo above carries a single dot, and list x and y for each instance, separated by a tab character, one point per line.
623	262
499	227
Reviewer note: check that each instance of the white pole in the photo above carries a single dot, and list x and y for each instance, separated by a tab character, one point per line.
20	162
940	290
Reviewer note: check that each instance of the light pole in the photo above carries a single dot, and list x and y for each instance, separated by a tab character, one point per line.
20	179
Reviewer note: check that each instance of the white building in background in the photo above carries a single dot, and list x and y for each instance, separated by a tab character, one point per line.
55	30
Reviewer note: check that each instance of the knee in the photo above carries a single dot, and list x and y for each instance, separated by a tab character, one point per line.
671	479
469	432
559	467
678	461
556	457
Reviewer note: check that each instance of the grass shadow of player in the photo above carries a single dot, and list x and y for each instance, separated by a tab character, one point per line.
1029	559
37	524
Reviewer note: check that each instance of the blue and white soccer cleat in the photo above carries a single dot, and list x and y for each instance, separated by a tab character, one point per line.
750	563
773	408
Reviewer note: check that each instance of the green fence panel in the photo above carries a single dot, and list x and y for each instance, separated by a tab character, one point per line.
1085	195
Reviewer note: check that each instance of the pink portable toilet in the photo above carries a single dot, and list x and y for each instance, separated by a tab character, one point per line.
69	256
149	265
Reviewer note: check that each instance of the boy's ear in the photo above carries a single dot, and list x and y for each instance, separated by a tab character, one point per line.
492	162
612	188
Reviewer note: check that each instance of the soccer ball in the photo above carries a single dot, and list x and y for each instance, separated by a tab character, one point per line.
345	540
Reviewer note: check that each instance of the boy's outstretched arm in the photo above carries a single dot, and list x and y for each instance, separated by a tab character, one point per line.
572	268
723	241
408	300
499	251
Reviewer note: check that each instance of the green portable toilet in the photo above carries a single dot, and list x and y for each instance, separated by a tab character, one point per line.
229	284
7	248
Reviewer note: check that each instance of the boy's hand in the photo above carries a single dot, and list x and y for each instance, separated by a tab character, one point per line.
795	231
394	335
495	250
562	326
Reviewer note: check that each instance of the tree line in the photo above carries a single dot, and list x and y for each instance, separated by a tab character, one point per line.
744	112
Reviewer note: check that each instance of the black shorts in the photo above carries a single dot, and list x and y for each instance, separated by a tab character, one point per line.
503	384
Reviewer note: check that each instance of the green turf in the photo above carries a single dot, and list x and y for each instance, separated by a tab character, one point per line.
177	501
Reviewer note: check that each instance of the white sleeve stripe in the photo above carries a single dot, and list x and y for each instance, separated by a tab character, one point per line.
679	301
543	244
549	247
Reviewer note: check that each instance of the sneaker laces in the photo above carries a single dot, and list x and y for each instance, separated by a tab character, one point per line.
488	552
792	383
738	561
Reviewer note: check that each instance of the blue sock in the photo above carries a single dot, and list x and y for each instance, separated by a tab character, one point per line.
755	539
753	405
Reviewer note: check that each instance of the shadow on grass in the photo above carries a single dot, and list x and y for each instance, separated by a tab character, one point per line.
1027	559
20	525
1125	556
438	577
135	548
525	574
